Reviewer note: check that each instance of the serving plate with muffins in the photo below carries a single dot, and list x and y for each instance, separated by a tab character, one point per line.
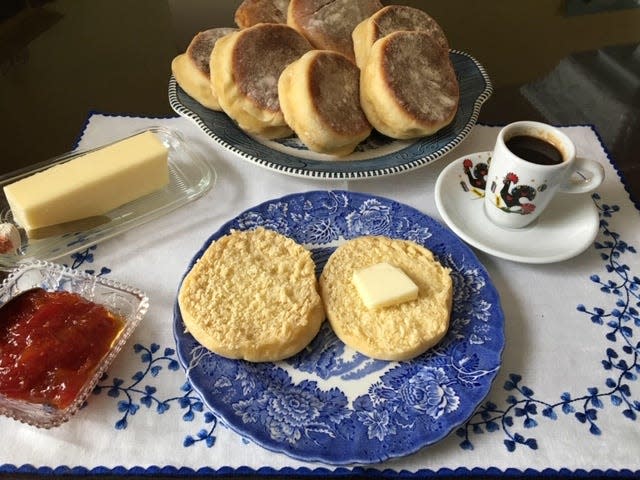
336	400
352	90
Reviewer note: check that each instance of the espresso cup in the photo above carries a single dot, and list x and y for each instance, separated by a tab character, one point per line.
530	163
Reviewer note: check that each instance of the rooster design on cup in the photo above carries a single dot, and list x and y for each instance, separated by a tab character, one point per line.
510	197
477	177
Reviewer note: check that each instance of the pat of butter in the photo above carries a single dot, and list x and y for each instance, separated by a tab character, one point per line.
91	184
383	285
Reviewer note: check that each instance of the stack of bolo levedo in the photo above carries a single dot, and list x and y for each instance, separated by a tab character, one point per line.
327	71
254	295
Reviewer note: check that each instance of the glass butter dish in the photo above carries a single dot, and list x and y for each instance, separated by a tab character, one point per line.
36	366
190	177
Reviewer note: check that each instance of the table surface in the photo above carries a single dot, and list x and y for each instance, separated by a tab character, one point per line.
60	60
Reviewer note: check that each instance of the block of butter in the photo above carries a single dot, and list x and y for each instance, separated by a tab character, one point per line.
384	285
91	184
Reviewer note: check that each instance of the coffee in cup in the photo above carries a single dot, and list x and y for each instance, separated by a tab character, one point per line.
534	150
531	162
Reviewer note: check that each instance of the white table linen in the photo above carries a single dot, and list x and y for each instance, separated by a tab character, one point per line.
556	351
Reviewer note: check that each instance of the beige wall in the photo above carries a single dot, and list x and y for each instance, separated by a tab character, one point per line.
509	56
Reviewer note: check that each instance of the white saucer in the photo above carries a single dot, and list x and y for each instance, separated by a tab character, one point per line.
567	228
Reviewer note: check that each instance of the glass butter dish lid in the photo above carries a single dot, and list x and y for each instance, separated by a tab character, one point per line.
190	177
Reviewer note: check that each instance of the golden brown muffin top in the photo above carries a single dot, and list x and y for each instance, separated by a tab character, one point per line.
420	75
328	24
394	18
199	50
334	84
260	54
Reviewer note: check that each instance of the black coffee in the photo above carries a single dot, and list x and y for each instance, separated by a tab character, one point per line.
534	150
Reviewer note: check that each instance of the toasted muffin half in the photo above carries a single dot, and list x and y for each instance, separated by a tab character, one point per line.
252	295
396	332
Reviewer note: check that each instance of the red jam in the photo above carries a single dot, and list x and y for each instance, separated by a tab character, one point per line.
51	344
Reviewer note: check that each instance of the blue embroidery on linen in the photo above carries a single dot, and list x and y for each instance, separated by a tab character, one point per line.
621	362
133	394
86	256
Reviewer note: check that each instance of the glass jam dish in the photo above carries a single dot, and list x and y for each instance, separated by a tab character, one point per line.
125	305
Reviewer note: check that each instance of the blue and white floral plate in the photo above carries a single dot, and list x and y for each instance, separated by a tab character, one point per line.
330	403
376	156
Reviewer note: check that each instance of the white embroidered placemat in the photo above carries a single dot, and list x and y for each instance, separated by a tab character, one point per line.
566	399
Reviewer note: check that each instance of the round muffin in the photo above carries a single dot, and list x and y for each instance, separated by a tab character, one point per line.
396	332
393	18
252	12
328	24
408	86
327	119
192	70
252	295
247	66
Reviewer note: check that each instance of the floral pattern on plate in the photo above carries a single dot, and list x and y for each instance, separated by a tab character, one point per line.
330	403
